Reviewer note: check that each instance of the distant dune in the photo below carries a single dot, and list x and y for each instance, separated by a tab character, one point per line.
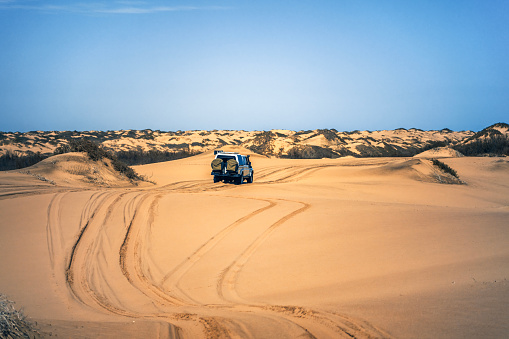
439	152
19	150
280	143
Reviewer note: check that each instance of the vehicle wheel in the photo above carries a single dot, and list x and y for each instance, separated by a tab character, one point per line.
216	179
239	180
250	179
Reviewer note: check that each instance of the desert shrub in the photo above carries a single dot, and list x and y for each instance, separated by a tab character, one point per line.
303	132
263	143
310	152
444	167
13	323
494	145
140	157
488	132
389	150
95	152
330	135
11	161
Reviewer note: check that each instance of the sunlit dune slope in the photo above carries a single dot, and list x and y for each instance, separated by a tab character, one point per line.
439	152
77	169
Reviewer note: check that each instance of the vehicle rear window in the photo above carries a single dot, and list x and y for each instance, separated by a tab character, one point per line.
227	157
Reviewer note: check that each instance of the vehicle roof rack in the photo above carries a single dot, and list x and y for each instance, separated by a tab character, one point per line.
223	152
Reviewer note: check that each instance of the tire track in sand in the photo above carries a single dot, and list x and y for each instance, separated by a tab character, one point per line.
227	319
324	323
130	259
340	325
174	277
228	278
54	237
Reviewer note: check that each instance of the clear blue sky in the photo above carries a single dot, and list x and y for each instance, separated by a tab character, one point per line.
253	65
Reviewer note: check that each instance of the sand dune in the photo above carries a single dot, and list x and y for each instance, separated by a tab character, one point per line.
439	152
330	248
77	169
274	142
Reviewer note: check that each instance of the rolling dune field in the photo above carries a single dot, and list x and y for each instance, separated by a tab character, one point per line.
327	248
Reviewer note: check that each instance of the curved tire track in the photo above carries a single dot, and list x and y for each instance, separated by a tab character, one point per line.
85	270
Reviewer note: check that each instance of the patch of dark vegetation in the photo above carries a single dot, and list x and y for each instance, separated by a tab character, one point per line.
96	153
444	167
176	146
501	125
12	161
147	135
20	139
315	152
302	133
13	323
497	145
388	150
489	141
263	143
329	134
139	157
434	144
67	134
487	132
392	150
280	135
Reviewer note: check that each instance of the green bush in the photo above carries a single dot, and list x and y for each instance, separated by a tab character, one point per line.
11	161
311	152
139	157
444	167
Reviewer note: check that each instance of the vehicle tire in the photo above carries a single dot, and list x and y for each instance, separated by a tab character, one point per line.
239	180
250	178
216	179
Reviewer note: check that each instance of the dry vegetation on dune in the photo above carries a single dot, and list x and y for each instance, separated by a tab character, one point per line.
13	323
444	167
96	153
19	150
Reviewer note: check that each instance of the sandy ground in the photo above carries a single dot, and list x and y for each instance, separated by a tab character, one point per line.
313	248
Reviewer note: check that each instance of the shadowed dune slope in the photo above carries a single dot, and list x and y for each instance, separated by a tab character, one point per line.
330	248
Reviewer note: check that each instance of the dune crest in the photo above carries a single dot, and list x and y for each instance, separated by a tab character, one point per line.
439	152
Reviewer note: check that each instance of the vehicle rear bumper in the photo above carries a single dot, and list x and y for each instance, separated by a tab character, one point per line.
225	175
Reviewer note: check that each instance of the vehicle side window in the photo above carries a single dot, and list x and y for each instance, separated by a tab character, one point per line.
241	160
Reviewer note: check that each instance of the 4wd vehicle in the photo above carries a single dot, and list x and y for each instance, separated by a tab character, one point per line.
231	166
